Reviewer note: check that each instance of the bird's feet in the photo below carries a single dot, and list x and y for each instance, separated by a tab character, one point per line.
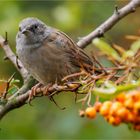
49	90
40	88
52	89
34	91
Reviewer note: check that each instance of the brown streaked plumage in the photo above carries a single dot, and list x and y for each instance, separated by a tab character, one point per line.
47	53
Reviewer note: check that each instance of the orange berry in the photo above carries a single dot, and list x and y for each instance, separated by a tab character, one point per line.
90	112
115	107
130	117
135	112
137	106
111	119
129	103
128	95
135	98
97	106
121	98
117	121
135	95
122	113
105	108
114	120
137	119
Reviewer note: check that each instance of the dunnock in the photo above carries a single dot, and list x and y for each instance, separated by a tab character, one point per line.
47	53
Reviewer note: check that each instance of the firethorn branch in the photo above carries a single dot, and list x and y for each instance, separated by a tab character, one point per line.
109	23
22	95
125	108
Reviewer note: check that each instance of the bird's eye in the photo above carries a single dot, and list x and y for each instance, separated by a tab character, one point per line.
19	29
35	26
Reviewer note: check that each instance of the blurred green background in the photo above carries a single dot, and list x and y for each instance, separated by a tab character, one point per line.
44	120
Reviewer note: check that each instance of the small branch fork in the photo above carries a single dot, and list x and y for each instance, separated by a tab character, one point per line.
7	86
109	23
22	95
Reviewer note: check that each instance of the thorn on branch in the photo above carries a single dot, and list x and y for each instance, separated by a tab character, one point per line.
100	33
133	9
117	10
6	38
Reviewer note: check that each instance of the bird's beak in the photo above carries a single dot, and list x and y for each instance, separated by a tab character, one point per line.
25	31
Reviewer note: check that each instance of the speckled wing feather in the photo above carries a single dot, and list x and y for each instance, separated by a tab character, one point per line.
76	56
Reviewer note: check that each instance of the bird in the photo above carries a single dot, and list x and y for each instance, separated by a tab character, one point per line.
48	53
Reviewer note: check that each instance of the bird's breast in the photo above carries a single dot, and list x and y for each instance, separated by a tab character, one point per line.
47	65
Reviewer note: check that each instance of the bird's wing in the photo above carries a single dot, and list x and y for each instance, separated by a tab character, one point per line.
76	56
75	53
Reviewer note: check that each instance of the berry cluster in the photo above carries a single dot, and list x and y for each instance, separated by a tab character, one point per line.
125	108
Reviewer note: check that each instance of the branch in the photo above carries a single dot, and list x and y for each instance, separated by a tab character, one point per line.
22	99
12	104
12	57
19	99
109	23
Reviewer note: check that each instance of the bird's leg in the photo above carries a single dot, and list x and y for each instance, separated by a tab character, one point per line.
46	91
34	91
46	88
50	95
52	99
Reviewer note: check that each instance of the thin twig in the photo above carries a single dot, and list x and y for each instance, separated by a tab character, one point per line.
100	65
109	23
7	86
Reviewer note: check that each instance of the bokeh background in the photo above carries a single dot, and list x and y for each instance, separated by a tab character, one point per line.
44	120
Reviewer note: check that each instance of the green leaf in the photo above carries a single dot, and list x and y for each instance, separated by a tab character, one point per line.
13	90
132	51
135	46
113	91
106	48
105	92
127	54
14	81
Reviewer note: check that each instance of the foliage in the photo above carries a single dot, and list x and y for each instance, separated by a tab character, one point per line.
121	91
103	82
44	120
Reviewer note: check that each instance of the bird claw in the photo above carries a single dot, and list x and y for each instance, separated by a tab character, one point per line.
45	91
50	95
33	92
